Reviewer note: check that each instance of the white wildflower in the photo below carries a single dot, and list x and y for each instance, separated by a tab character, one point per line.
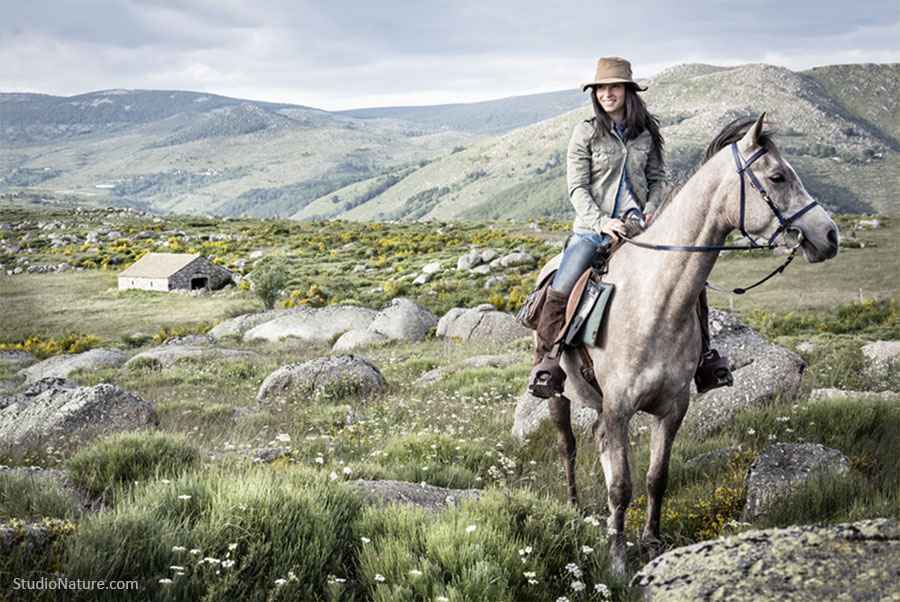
320	460
562	599
604	592
415	573
232	547
751	431
365	539
280	582
176	568
333	476
228	564
347	470
195	552
166	481
165	581
586	549
283	437
379	577
471	528
577	586
184	497
574	569
178	548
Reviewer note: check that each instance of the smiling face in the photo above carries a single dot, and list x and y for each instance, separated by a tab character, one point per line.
612	99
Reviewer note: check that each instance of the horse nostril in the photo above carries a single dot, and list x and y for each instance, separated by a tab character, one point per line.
833	241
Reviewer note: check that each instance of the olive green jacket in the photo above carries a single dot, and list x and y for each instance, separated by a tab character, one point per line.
594	170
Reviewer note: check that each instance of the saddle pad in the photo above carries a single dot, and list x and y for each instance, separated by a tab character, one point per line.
590	329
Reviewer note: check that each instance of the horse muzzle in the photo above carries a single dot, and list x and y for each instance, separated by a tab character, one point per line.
818	249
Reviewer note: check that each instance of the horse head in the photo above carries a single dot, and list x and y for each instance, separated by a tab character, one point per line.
777	206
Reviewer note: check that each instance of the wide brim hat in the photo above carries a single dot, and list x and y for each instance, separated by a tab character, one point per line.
613	70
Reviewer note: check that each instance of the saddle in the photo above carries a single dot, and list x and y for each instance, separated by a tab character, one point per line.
585	311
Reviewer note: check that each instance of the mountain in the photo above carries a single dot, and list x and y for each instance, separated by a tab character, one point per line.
490	117
188	152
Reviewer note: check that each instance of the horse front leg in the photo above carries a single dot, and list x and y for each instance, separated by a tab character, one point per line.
561	415
612	445
662	435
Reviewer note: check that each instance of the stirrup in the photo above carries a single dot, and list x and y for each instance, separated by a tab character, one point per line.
713	372
546	379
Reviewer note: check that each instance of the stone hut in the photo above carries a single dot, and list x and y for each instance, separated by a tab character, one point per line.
173	271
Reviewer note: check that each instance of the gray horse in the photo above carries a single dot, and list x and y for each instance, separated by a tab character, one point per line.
650	345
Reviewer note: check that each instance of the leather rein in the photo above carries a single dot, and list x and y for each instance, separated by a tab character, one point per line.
785	225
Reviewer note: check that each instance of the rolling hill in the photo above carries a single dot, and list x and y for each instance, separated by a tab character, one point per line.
193	153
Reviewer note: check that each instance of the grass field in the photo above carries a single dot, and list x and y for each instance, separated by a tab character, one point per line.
190	515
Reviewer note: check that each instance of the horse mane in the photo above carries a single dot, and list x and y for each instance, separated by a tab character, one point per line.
732	132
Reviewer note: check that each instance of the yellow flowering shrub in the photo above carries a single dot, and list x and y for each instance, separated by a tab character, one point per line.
43	348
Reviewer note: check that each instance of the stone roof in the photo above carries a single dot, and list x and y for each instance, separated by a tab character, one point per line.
158	265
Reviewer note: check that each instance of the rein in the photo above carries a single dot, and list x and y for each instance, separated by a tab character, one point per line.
785	224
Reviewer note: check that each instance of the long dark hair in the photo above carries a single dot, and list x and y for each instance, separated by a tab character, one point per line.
639	119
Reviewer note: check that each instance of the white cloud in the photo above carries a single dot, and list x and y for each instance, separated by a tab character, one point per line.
352	54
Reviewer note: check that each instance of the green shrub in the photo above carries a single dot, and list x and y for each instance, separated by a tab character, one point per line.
145	364
269	278
121	460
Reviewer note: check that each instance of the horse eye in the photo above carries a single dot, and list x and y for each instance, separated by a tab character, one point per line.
777	177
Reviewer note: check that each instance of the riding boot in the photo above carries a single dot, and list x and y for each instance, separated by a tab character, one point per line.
547	377
712	371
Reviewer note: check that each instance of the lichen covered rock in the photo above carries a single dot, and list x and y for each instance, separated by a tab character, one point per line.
855	561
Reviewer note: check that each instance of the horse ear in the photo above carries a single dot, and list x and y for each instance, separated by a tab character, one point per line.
751	138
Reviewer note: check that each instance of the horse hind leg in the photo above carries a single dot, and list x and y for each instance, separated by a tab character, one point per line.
560	414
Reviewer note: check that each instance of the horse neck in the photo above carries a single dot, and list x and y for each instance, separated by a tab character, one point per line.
694	217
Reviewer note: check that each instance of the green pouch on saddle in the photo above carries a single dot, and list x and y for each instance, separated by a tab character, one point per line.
584	326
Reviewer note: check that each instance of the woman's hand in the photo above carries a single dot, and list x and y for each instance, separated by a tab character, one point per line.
615	228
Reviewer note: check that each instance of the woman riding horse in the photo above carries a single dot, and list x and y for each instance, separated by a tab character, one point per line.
615	169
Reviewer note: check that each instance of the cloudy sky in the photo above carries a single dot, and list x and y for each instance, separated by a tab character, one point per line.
340	54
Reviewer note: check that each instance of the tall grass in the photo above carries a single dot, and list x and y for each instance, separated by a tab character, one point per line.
254	534
120	462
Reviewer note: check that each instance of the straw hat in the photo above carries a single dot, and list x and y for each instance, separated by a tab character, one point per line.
612	70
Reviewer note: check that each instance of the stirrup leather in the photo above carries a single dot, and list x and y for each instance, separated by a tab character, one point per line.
713	372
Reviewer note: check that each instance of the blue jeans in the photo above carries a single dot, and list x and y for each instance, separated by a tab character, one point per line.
578	257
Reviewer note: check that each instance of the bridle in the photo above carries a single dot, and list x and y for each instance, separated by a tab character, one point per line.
785	223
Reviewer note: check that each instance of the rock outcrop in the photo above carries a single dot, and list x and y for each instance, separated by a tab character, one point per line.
422	495
403	319
167	355
57	412
782	469
481	324
313	325
880	356
353	373
60	366
855	561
